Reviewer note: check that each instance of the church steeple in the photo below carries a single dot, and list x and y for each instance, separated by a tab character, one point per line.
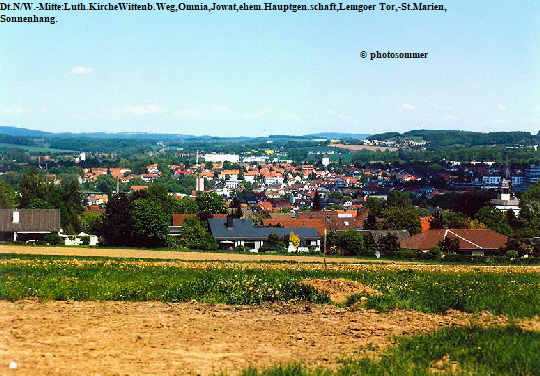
505	185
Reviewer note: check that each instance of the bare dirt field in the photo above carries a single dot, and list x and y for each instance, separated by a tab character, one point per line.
188	256
69	337
363	147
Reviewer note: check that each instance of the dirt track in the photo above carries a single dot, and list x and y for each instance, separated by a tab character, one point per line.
191	338
194	256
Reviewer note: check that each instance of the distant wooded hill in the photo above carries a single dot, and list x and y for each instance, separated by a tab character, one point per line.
438	138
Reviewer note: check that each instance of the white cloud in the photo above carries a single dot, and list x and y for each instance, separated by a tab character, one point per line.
291	116
218	113
191	112
221	108
442	107
143	110
330	112
345	117
501	107
449	118
497	121
82	70
135	110
256	115
16	111
406	106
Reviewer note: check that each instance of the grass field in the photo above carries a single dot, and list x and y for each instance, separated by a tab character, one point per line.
35	149
512	292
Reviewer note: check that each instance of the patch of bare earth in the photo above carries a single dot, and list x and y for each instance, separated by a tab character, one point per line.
339	289
191	338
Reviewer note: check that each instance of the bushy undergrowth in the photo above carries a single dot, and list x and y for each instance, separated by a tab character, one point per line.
474	350
506	292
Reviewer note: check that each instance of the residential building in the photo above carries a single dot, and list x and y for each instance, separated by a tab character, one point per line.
471	241
235	232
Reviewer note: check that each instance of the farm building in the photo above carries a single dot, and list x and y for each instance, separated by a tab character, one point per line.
28	224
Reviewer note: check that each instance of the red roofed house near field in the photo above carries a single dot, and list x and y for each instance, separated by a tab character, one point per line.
471	241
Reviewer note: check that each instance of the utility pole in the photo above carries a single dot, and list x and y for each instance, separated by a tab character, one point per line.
325	249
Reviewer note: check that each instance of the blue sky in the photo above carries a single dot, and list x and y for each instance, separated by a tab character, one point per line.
261	73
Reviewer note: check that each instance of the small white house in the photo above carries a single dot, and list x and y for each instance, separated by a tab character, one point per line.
79	239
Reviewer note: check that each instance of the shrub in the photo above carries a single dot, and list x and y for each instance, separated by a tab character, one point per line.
449	245
389	243
52	238
171	242
512	254
313	249
368	252
435	252
241	248
401	254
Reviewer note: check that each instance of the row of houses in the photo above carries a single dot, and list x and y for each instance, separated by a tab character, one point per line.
31	224
313	226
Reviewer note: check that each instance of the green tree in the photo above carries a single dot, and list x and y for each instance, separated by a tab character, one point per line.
68	199
8	197
369	241
32	188
388	243
350	243
401	218
436	221
316	203
184	206
452	219
117	222
195	235
274	243
211	203
91	222
106	184
494	219
449	245
529	215
399	199
236	206
150	223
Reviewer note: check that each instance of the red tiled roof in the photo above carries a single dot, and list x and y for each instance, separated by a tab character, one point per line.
468	239
315	223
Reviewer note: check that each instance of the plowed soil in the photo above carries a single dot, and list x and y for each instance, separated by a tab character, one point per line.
75	338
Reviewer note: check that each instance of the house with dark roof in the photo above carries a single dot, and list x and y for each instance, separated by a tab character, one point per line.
471	241
235	232
28	224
